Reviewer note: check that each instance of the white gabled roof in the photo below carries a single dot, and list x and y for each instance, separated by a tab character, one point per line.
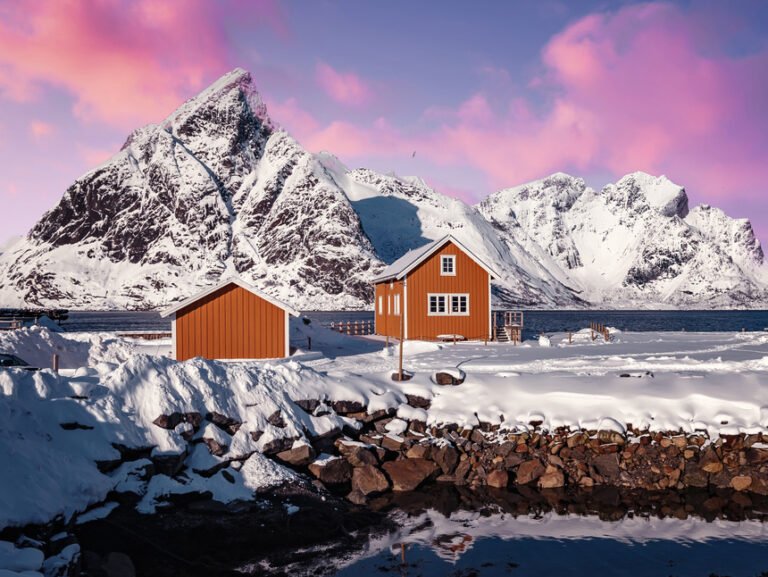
227	281
414	258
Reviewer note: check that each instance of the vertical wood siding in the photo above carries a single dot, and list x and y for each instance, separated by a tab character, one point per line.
231	323
388	324
470	278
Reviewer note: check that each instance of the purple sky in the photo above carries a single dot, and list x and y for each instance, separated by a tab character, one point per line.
488	94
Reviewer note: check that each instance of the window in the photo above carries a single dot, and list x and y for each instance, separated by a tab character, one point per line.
381	305
448	305
459	304
397	305
437	304
448	265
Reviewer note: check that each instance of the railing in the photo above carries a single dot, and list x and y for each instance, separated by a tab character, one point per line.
508	325
11	324
359	328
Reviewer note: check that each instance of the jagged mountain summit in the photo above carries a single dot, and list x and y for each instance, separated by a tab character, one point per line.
635	243
218	189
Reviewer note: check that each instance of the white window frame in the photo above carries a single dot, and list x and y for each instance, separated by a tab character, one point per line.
459	296
397	305
445	258
447	299
381	304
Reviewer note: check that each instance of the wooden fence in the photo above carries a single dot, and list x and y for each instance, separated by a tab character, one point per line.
600	329
359	328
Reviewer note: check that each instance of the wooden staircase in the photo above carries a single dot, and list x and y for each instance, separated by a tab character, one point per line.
508	326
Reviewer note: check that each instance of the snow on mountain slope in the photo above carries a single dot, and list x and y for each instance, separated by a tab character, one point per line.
634	243
216	189
403	213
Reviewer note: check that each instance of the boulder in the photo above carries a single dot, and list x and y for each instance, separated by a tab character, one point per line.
552	478
357	454
741	482
498	479
449	377
346	407
369	480
529	471
418	402
277	445
446	457
607	466
223	422
408	474
710	462
276	420
331	470
299	455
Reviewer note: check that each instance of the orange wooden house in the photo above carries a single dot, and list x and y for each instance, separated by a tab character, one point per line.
439	291
231	320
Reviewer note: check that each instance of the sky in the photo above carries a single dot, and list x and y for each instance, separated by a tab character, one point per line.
470	96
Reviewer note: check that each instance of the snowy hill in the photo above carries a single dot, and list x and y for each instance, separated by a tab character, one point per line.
217	189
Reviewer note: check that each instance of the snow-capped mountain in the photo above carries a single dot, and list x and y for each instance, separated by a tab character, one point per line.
218	189
634	243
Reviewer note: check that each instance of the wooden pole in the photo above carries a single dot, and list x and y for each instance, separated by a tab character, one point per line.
400	373
55	364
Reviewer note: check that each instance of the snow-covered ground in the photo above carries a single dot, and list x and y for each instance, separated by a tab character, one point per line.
54	427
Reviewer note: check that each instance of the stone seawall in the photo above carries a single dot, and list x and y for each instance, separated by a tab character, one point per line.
388	454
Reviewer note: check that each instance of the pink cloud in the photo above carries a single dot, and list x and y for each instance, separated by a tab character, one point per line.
125	63
40	129
343	87
95	156
627	90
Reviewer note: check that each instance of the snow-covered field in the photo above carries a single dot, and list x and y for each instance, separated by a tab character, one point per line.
54	427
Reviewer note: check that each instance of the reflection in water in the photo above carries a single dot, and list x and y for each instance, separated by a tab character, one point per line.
459	533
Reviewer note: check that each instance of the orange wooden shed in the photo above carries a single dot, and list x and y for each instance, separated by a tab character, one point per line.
231	320
439	291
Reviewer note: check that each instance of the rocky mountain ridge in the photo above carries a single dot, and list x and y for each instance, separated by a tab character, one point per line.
217	189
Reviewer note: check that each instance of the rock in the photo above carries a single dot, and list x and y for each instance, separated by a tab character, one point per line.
446	457
710	462
498	479
331	470
741	482
276	420
694	476
357	454
118	565
346	407
418	402
278	445
392	442
607	466
552	478
256	435
169	465
756	456
215	447
611	437
357	498
223	422
461	472
529	471
448	379
169	422
369	480
298	455
408	474
419	451
309	405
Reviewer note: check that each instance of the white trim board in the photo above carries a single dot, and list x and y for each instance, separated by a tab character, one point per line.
227	281
414	258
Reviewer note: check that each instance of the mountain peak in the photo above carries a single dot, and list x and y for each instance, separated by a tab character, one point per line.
659	192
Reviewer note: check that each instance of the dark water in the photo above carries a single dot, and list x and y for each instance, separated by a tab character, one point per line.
536	322
588	557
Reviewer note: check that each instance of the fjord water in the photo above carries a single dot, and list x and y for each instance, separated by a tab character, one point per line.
536	322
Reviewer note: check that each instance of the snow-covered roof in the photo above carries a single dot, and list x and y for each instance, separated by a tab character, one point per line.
227	281
415	257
